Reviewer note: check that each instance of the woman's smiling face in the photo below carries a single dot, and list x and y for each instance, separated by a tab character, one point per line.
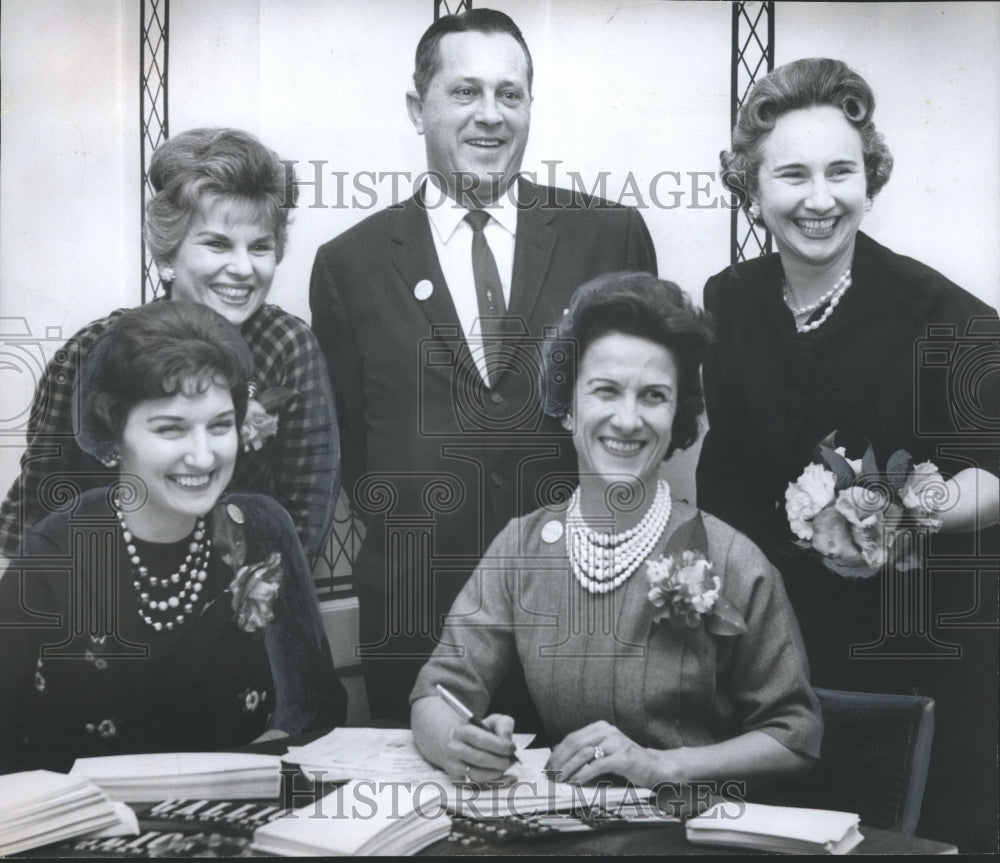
811	185
226	260
623	409
182	448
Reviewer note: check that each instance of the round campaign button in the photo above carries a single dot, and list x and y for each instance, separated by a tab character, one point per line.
423	290
552	531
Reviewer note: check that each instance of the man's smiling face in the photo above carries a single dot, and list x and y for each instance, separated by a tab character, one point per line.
476	114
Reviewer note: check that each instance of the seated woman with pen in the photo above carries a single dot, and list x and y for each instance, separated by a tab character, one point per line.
153	615
657	642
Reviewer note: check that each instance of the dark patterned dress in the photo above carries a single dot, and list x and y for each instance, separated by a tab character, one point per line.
82	674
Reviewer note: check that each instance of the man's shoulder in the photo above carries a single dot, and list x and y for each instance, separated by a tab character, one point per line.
566	201
377	227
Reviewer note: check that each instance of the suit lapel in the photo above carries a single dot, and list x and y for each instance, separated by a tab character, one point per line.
416	261
536	239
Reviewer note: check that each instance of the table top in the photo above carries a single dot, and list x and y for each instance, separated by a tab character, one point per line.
663	840
641	840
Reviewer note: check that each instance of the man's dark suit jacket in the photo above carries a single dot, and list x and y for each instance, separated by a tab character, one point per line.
434	461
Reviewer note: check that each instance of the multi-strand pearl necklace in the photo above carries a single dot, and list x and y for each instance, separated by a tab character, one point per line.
603	561
830	299
165	602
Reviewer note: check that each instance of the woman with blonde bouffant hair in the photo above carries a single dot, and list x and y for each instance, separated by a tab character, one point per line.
217	227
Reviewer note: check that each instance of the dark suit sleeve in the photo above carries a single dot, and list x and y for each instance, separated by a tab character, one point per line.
641	253
331	322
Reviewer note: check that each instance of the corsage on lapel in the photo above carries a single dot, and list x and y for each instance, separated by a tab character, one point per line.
261	420
255	586
683	589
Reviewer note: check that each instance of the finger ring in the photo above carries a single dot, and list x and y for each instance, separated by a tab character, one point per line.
468	778
598	752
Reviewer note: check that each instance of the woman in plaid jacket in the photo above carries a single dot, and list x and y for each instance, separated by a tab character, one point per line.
217	228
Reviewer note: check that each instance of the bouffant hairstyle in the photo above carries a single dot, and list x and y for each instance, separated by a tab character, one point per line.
157	351
806	83
428	59
216	163
633	304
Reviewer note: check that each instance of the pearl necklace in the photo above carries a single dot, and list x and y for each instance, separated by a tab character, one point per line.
157	601
603	561
831	299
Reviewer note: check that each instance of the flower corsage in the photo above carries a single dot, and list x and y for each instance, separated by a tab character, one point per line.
851	512
261	421
255	589
255	586
683	589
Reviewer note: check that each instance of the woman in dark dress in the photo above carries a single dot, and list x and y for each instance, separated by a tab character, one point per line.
151	615
838	333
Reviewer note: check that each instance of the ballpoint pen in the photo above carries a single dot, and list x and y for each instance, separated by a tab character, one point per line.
467	714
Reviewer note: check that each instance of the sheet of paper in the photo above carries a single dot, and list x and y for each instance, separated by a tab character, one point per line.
390	755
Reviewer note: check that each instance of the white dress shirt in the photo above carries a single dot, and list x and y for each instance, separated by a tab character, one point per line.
453	243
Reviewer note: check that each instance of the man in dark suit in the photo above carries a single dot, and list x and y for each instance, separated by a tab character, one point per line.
432	322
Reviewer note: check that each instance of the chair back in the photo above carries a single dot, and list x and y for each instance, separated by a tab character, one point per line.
876	748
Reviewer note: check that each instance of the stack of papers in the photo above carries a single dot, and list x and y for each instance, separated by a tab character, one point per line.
39	807
172	775
368	753
781	829
361	819
389	755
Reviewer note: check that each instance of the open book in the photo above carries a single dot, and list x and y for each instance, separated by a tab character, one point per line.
39	807
166	775
782	829
362	818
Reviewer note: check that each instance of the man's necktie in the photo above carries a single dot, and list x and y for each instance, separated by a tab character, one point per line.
489	291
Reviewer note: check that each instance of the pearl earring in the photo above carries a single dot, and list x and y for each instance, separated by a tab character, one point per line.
112	460
754	211
167	274
868	205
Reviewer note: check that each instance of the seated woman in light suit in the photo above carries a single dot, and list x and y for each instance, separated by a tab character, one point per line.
187	621
657	642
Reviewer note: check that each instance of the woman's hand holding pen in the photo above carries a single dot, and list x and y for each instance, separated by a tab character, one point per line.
484	748
483	752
